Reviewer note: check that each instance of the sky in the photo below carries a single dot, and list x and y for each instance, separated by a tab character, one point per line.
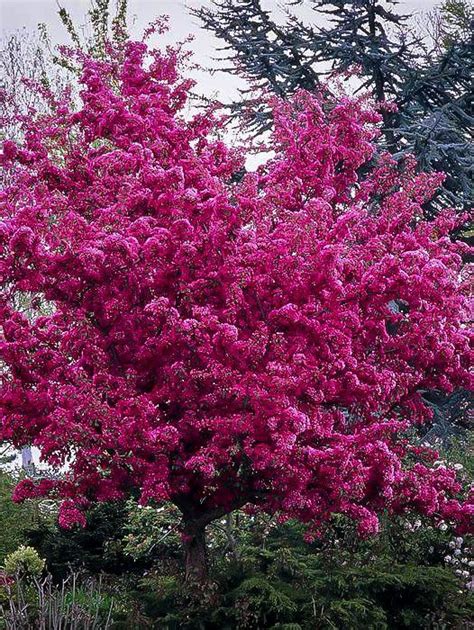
18	14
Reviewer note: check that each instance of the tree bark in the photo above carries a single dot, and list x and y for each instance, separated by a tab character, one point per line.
195	553
194	530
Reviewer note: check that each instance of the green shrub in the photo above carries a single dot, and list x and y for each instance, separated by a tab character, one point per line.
24	561
397	580
14	519
97	548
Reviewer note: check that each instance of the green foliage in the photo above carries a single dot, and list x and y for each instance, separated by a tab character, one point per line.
102	26
96	548
69	26
396	580
147	528
456	17
14	519
460	454
90	597
263	573
24	561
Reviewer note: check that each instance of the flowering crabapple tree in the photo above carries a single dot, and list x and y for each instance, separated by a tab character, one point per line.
219	342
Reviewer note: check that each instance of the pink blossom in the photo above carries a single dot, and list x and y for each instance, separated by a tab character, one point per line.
216	342
70	515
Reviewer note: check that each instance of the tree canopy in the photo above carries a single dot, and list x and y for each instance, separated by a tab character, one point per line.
216	343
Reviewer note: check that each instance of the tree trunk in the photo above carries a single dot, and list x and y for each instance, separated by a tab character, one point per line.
195	553
194	529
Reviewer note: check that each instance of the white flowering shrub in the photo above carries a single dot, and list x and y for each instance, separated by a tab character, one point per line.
461	558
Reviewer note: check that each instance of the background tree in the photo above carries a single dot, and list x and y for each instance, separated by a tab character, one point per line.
449	22
268	55
437	104
219	344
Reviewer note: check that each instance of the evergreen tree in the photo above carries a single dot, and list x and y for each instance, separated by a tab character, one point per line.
449	22
436	120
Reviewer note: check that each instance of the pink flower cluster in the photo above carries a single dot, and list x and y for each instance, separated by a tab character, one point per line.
216	342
